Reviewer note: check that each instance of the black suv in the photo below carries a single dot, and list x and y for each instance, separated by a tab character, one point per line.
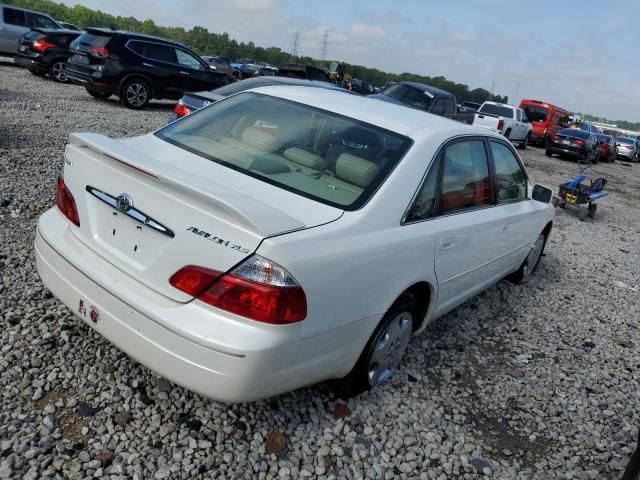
45	51
138	67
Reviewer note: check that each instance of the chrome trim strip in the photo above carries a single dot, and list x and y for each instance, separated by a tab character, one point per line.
133	213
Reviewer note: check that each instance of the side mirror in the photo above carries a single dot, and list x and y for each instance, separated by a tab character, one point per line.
541	194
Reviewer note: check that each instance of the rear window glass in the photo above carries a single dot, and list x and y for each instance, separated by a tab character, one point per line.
536	114
574	132
333	159
93	40
411	95
498	110
32	35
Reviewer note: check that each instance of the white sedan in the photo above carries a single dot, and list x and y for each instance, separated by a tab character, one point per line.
285	236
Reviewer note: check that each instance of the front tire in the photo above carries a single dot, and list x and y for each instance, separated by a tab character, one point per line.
530	263
381	356
57	71
507	133
525	143
135	94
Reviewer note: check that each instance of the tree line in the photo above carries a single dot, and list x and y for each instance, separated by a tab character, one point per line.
204	42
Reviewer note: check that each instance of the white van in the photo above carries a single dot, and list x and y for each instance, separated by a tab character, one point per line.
15	22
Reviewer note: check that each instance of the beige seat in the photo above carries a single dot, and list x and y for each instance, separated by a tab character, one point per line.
353	174
263	141
304	161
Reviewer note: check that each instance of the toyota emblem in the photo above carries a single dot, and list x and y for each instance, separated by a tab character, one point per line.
124	202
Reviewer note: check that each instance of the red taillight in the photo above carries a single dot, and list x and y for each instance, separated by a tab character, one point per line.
100	51
555	137
66	203
193	280
257	289
500	124
41	45
181	110
579	142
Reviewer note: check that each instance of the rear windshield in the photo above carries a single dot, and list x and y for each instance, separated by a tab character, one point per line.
91	40
627	141
574	132
498	110
536	114
603	138
333	159
411	95
32	35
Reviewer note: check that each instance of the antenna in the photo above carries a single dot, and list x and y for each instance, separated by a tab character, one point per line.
515	97
296	41
324	44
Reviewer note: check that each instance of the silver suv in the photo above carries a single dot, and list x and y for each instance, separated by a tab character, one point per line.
15	22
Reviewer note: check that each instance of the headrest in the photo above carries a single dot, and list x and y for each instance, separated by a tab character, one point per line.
356	170
260	139
305	158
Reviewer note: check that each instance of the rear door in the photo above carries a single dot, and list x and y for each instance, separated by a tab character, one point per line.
467	225
158	63
14	25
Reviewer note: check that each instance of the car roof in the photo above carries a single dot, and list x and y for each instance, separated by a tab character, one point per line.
16	7
124	33
397	118
427	88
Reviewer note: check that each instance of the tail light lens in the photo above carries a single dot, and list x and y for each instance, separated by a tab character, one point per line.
555	137
500	124
41	45
181	110
579	142
100	52
66	203
258	289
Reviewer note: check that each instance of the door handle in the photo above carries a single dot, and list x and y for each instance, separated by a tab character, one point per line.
183	72
506	227
447	242
148	65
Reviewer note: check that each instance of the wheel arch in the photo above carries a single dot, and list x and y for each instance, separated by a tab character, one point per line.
424	295
141	76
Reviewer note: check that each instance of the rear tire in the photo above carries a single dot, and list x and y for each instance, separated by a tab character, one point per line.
135	93
98	95
507	133
593	208
547	152
381	356
530	263
57	71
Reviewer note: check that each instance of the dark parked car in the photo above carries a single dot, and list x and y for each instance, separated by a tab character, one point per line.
222	65
298	70
138	67
607	147
69	26
45	51
469	107
192	102
572	142
359	86
420	96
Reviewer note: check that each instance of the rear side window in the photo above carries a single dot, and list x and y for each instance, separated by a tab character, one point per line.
40	21
425	203
438	107
14	17
497	110
536	114
511	182
450	105
465	176
410	95
155	51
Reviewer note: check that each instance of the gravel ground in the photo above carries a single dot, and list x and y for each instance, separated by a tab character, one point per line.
539	381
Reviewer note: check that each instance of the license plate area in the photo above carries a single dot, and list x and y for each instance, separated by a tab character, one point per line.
566	142
23	48
82	59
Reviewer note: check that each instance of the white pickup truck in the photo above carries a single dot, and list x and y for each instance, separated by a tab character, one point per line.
508	120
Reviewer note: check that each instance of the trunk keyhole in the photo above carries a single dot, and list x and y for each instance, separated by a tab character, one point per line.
114	232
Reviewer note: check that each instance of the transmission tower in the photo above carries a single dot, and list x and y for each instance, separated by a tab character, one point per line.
324	44
296	41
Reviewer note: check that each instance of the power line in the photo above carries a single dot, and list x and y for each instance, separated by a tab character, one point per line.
296	41
324	44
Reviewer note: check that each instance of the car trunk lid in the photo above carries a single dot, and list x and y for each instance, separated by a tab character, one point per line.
149	216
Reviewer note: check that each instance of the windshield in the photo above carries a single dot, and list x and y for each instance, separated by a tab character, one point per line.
497	110
411	95
536	114
335	160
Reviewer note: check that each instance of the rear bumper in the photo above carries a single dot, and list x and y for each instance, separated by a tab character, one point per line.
630	154
31	63
565	150
88	81
248	362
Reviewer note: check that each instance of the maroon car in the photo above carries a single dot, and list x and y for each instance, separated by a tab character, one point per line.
607	147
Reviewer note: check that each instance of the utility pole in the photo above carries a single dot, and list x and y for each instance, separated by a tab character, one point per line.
296	41
324	44
515	97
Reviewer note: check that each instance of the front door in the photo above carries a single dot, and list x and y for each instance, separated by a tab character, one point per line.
191	75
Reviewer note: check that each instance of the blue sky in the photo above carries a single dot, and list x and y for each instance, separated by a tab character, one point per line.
582	55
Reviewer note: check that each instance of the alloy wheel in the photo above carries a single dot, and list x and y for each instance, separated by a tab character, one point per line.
58	71
389	348
137	94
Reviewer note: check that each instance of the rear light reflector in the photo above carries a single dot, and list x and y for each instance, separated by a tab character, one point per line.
500	124
555	137
258	289
66	203
41	45
181	110
100	51
579	142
